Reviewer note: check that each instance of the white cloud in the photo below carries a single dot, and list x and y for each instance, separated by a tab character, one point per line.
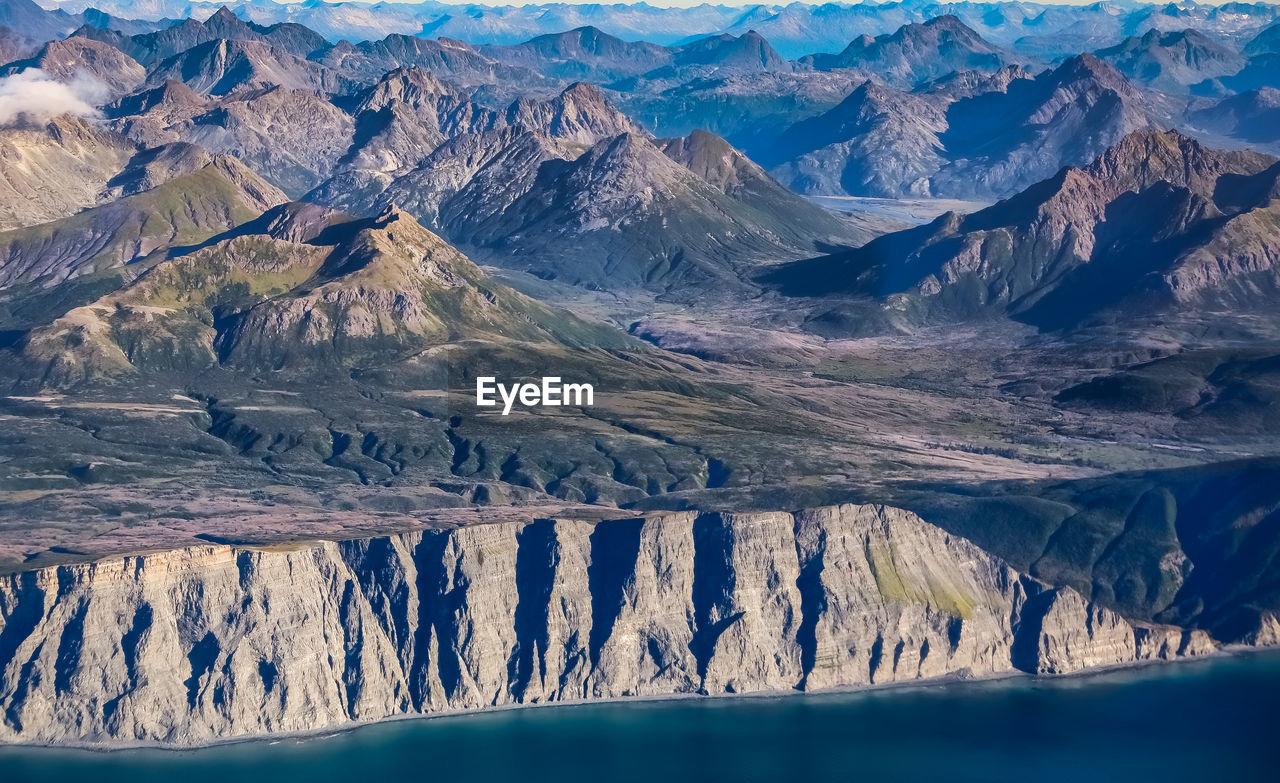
35	96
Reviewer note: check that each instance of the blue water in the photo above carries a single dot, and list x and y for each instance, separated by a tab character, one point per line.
1212	720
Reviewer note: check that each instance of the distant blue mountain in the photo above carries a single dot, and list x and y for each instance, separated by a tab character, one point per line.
794	30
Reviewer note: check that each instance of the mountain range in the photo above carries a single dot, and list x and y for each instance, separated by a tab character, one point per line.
985	141
1013	266
568	187
795	29
507	150
919	53
1173	61
299	286
1155	225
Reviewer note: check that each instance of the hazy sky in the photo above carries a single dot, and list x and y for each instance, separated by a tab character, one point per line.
689	3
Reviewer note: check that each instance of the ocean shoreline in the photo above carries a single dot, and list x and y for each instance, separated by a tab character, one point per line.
947	680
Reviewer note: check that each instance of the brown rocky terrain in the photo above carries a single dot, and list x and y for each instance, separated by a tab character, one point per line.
141	650
250	274
1146	226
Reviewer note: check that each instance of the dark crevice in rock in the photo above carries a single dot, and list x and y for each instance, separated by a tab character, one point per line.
353	645
201	658
244	564
955	630
384	584
267	671
23	618
428	557
877	653
28	678
713	584
451	606
132	641
1025	650
69	647
537	555
813	601
615	547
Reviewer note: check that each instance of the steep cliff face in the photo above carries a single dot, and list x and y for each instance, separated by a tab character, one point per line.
1065	634
200	645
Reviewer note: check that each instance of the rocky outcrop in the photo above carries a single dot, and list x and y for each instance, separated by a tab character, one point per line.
1060	633
106	68
170	195
984	134
1267	633
1077	247
205	644
288	297
1063	633
54	171
917	53
1166	642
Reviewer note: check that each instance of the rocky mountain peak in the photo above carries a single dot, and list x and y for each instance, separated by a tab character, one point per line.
919	52
869	102
1173	60
1156	37
749	51
1265	42
869	92
1083	66
1146	157
945	30
221	66
413	86
622	151
719	163
392	251
1089	69
225	24
580	114
584	94
297	222
966	84
171	98
702	150
589	40
389	214
78	57
950	23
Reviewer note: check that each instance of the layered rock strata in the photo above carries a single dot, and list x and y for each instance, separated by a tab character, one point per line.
207	644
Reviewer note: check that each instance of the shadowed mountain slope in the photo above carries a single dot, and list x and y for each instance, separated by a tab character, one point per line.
300	288
987	139
155	47
221	66
918	53
1252	116
1172	61
171	195
81	58
1158	223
